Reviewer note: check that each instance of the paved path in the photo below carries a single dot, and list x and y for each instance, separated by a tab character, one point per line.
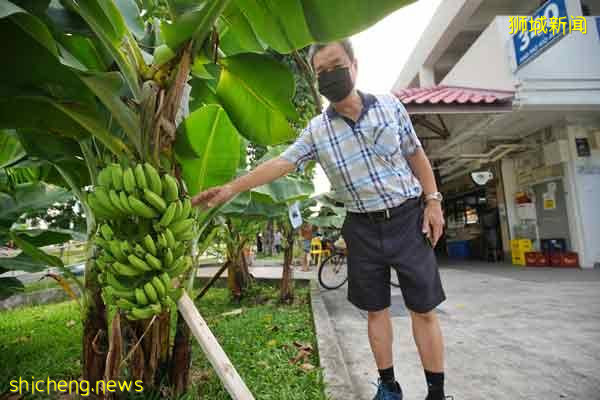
511	333
271	270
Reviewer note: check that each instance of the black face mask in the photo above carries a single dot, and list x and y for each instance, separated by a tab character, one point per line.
336	85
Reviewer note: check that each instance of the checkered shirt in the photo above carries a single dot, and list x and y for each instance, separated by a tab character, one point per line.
363	180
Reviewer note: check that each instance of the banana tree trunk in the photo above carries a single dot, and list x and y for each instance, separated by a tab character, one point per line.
269	238
286	293
95	328
181	359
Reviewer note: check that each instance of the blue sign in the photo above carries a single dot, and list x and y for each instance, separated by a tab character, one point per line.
529	45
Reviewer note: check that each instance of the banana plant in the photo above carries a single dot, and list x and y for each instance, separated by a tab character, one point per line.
175	84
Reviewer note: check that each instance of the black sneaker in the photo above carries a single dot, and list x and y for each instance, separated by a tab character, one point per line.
383	393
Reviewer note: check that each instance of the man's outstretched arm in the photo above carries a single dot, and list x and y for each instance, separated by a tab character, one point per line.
264	173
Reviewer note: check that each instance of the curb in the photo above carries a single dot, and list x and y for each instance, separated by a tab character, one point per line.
335	372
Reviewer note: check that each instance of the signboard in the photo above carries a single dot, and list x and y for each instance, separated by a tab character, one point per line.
598	26
583	147
295	215
529	45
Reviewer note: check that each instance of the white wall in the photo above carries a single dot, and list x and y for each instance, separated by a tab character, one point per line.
485	64
584	199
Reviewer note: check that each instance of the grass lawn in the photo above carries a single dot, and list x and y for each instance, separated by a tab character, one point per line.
45	341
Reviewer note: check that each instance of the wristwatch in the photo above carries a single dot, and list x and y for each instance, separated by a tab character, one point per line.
437	196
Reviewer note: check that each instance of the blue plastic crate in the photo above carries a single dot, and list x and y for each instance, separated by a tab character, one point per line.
459	249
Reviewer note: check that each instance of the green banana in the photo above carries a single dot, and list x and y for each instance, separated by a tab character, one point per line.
116	202
162	241
98	208
155	200
139	251
140	297
149	245
138	263
180	266
187	235
125	304
126	270
175	294
179	250
105	178
106	231
123	294
181	226
171	243
140	177
117	177
166	280
150	292
124	201
178	211
153	179
116	251
129	180
153	261
104	200
170	187
112	281
101	264
167	217
145	312
159	287
126	248
107	258
168	258
140	208
187	208
100	242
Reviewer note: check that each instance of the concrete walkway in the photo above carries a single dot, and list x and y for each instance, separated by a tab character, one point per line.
510	332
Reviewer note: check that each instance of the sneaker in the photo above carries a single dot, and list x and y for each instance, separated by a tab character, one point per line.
384	394
445	398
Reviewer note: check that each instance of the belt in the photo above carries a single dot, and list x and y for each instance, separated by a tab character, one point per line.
384	215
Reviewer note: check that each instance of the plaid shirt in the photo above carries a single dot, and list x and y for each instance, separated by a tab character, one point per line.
362	179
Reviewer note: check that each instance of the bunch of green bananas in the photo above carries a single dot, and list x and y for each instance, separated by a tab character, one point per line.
137	271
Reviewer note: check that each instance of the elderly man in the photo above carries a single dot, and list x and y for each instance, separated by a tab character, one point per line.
370	152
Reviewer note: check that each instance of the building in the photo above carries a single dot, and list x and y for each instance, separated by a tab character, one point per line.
524	107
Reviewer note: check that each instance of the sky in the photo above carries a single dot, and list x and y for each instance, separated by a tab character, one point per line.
381	52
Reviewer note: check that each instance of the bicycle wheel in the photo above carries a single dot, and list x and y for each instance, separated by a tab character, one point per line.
333	271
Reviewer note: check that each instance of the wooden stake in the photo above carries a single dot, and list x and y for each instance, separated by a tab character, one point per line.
233	383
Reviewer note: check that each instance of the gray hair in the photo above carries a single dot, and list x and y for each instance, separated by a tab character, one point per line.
345	43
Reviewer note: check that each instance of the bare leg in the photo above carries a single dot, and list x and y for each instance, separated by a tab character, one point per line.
381	337
305	262
429	340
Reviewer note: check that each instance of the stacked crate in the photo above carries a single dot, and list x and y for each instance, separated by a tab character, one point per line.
518	249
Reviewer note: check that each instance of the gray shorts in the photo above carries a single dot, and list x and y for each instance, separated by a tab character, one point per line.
376	245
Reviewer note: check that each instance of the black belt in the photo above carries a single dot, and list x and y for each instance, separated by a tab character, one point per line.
384	215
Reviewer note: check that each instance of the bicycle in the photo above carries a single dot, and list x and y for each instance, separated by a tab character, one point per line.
333	271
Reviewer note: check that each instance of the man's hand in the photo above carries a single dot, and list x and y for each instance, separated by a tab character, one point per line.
213	197
433	221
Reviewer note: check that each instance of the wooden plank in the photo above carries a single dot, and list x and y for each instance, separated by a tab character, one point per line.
232	381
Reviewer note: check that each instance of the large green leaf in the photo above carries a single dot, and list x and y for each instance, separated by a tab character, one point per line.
22	262
193	20
235	33
7	8
10	286
10	147
293	24
107	22
44	114
29	197
34	252
203	146
107	87
256	91
202	94
131	13
34	60
286	189
45	237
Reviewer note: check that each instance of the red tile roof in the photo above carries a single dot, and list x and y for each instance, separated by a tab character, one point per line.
453	95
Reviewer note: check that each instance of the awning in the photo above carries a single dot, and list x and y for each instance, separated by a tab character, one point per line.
455	100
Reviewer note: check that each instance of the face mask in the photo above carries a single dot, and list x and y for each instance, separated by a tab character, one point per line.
336	85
